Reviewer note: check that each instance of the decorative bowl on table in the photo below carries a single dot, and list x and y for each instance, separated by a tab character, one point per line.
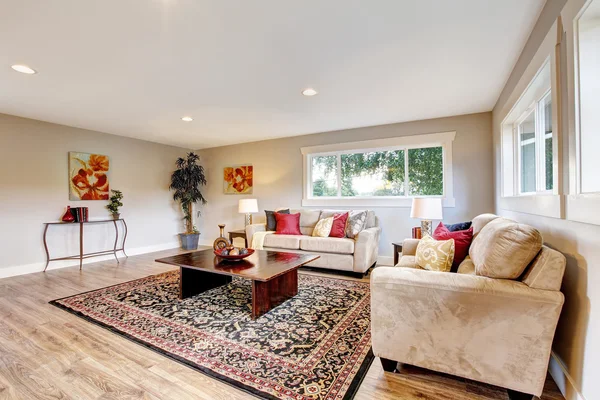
238	255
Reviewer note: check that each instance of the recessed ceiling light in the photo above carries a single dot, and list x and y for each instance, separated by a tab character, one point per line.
309	92
23	69
187	119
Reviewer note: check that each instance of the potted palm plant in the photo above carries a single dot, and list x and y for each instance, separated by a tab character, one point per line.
186	182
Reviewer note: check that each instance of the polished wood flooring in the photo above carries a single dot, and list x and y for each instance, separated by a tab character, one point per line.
47	353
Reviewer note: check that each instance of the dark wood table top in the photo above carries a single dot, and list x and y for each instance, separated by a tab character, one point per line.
261	266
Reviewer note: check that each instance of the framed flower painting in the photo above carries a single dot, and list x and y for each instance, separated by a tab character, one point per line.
237	179
88	176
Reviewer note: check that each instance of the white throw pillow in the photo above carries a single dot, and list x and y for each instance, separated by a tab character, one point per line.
356	223
323	227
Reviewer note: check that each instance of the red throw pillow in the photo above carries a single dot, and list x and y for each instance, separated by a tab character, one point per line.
288	224
338	229
462	242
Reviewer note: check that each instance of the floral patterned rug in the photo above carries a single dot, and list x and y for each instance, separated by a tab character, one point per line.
316	345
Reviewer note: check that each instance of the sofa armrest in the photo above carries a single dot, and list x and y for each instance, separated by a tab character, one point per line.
492	330
409	247
252	229
366	249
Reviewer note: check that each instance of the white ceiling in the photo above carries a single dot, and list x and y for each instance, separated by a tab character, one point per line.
135	67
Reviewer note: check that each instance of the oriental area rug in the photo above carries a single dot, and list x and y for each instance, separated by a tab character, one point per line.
316	345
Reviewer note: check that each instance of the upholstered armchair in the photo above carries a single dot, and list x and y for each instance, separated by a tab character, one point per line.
497	331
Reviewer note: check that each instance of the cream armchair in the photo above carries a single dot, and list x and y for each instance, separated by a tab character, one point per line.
497	331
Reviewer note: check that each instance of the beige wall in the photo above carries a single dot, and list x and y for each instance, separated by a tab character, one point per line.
278	174
577	343
34	189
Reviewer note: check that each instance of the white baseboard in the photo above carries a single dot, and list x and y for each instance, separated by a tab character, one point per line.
385	260
563	380
39	266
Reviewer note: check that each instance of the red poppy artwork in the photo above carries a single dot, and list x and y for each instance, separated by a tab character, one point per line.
88	176
237	180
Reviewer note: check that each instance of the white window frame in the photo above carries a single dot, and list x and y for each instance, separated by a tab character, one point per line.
541	75
443	139
537	108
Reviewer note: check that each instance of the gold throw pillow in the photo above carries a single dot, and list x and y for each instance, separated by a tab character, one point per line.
323	227
435	255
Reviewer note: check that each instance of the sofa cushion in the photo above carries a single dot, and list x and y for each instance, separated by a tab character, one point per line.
338	229
356	222
271	221
288	224
283	241
371	220
434	255
323	227
327	244
461	226
466	267
342	262
462	242
308	218
546	270
504	248
480	221
408	262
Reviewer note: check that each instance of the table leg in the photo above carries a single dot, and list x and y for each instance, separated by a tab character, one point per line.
46	248
80	245
270	294
193	282
124	237
395	255
116	240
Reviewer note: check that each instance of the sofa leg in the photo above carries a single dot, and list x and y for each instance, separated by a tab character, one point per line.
514	395
388	365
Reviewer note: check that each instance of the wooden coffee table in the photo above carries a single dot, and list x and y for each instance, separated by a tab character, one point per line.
274	275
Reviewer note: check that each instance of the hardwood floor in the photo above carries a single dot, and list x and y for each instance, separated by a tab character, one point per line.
47	353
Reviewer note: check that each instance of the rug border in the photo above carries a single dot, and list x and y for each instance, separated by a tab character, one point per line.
349	395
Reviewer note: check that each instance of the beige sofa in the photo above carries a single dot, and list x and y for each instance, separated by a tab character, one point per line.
497	331
356	255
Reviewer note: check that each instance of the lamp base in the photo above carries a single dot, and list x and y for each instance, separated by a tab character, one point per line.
425	227
248	220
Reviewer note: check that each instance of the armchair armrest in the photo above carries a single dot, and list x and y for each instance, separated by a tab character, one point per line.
409	247
492	330
252	229
366	248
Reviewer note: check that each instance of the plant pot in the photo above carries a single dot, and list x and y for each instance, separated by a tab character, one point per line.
116	215
189	241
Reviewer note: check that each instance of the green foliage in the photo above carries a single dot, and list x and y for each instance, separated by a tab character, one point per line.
115	201
425	175
186	182
426	171
390	164
327	164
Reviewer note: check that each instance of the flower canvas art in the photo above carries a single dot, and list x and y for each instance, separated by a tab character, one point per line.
88	176
238	179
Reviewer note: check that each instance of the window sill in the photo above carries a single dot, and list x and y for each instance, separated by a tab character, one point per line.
547	205
404	202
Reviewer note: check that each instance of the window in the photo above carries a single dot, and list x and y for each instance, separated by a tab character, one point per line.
535	140
379	172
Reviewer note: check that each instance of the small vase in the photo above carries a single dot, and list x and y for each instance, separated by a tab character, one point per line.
221	242
116	215
68	217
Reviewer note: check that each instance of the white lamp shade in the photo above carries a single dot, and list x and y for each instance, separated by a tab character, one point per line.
247	206
426	208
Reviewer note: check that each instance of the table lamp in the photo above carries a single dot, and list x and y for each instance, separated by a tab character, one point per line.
248	206
426	208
